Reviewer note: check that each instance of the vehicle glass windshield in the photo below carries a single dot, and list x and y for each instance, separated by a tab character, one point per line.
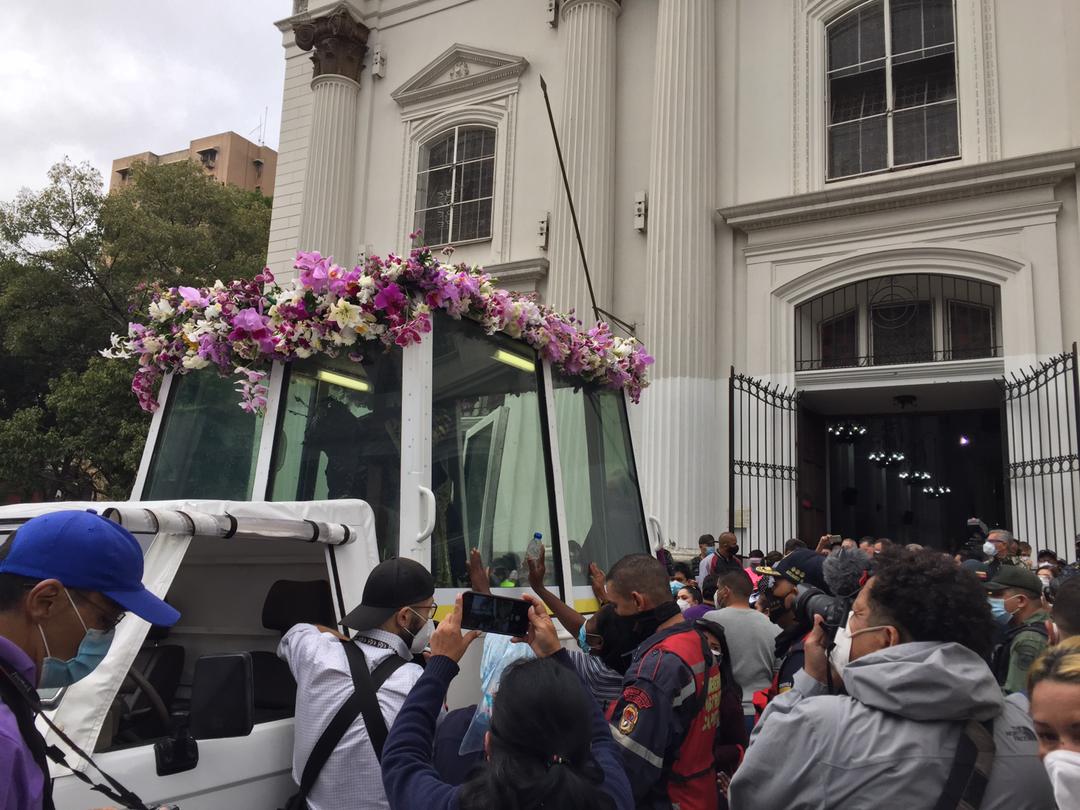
602	499
488	464
339	436
207	446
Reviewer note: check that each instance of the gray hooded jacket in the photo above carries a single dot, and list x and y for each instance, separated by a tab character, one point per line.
890	742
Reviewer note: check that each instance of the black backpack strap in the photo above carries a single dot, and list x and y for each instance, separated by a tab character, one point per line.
363	700
971	768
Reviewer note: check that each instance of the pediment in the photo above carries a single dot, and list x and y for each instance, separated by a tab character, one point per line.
459	68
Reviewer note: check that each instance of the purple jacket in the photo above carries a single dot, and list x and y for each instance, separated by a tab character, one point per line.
21	781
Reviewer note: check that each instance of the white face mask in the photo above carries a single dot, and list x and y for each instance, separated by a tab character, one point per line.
422	636
1064	770
989	549
683	605
840	654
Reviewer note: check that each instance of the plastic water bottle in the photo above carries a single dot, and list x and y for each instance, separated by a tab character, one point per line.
534	548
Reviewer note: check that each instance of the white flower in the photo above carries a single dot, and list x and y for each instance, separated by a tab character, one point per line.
213	311
194	361
344	314
161	310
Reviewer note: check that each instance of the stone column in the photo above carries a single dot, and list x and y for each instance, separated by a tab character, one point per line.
587	134
338	44
680	436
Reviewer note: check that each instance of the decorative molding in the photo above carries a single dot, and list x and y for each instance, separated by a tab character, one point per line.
516	275
910	374
431	104
566	6
903	191
337	41
977	87
426	85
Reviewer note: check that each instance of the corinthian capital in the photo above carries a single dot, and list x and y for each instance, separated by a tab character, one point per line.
337	42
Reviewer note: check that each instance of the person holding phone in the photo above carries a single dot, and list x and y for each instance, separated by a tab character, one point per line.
548	744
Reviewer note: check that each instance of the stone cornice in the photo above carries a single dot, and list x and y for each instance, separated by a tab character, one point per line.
905	191
909	373
337	41
519	271
420	88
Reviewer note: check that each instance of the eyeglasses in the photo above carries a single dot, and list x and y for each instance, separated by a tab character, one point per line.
419	611
109	620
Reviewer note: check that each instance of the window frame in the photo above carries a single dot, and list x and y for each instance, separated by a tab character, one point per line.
948	317
457	129
890	110
915	302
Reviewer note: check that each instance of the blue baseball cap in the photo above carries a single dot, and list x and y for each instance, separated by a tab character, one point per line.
88	553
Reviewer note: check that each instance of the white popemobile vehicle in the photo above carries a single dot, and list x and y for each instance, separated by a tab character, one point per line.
251	524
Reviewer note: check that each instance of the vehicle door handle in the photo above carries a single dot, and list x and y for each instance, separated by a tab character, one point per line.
427	507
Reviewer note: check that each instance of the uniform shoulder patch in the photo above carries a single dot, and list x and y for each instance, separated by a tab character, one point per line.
639	697
628	719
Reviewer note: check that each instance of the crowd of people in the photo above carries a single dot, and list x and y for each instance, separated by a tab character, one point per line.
856	674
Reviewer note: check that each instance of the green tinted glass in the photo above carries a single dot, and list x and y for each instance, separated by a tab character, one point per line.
207	446
604	518
488	465
339	436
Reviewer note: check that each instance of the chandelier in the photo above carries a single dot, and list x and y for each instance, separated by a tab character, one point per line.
846	432
936	492
886	458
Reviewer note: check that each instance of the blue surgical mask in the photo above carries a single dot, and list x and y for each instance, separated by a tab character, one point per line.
997	608
92	651
581	642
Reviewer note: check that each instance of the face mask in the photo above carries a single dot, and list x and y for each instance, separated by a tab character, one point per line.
92	651
422	636
754	562
840	654
997	608
989	549
683	605
1063	768
581	642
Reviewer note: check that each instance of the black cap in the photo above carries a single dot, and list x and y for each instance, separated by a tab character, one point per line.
801	565
1015	576
390	586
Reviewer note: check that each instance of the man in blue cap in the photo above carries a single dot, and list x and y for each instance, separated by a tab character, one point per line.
66	580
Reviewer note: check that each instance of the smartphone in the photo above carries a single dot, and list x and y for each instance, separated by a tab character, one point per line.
834	539
494	614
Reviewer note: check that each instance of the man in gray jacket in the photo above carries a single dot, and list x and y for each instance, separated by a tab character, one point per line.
920	631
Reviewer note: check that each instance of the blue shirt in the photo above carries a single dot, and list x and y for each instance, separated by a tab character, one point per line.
21	780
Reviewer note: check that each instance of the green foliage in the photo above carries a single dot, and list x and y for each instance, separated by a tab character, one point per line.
73	261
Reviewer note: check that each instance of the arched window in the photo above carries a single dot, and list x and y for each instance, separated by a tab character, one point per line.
908	318
455	184
891	78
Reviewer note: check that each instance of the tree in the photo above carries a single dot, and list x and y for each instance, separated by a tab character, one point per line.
74	262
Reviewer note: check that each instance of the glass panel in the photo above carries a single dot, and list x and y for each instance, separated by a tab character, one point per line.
477	143
858	36
902	332
924	82
942	132
971	331
840	341
857	96
438	153
434	188
857	147
207	446
339	436
920	24
435	224
472	220
475	180
604	517
488	466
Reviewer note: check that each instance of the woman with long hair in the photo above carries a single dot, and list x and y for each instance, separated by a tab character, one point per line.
548	746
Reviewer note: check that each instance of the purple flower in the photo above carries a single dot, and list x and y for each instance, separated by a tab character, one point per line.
193	297
390	298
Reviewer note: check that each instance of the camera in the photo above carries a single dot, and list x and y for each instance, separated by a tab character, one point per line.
833	610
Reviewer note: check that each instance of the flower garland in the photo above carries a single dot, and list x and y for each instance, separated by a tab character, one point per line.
243	326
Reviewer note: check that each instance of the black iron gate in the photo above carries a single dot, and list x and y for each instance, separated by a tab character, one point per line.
763	466
1041	429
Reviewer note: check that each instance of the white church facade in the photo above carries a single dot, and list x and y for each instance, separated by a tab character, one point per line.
848	230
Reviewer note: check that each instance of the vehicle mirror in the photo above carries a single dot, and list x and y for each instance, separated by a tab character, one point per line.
222	697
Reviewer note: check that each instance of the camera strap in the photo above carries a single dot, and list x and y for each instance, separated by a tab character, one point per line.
114	791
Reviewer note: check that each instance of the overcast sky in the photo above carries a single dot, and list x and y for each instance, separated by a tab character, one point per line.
100	79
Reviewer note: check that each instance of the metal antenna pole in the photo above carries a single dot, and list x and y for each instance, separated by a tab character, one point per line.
570	199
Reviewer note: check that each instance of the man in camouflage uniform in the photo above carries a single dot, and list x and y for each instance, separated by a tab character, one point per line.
1024	637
